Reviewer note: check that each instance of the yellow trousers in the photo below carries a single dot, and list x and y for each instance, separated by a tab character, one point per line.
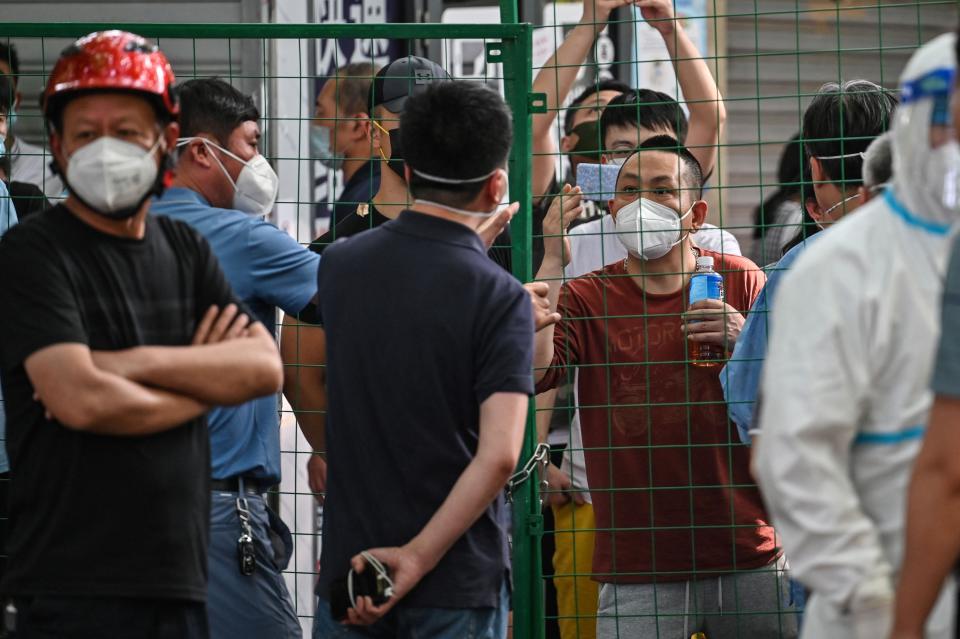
577	592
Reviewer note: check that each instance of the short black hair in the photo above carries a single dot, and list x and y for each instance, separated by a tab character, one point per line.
454	130
8	94
8	54
644	108
593	89
210	105
843	119
692	171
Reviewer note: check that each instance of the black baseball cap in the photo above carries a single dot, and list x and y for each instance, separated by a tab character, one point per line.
402	78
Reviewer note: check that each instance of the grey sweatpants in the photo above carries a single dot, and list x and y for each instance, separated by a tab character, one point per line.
753	604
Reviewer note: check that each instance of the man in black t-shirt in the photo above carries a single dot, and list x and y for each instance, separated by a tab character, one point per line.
427	410
120	331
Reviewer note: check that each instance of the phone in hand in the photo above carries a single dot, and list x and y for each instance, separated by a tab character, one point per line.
373	582
598	182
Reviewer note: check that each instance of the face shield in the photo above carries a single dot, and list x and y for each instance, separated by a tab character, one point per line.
926	153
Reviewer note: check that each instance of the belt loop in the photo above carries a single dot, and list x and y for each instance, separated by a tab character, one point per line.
240	485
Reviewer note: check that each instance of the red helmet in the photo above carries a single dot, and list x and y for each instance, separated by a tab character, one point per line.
111	60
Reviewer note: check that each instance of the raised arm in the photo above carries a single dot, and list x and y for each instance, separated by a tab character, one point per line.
700	92
556	78
229	362
81	396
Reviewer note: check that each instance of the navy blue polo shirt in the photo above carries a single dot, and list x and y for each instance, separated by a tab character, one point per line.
422	327
359	189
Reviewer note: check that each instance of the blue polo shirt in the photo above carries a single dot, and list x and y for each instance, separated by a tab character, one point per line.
8	217
422	327
267	269
740	378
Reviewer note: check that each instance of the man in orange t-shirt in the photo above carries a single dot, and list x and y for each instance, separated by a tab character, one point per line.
682	543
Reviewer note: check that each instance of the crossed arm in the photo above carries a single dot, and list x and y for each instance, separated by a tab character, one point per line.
149	389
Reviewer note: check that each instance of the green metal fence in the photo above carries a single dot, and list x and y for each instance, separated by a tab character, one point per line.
187	45
768	59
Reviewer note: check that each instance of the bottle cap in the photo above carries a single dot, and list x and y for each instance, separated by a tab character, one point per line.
704	263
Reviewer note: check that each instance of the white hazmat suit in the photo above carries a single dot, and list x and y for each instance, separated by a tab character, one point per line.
845	393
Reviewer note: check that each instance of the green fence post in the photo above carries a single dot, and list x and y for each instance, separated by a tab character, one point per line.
508	11
528	605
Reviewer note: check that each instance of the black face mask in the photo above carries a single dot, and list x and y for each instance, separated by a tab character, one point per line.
396	154
588	141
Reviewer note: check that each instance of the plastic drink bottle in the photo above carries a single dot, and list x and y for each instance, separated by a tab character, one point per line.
706	284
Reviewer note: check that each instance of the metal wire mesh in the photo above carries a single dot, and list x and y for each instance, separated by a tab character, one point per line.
767	60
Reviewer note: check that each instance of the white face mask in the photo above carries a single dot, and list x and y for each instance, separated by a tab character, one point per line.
113	177
648	229
255	190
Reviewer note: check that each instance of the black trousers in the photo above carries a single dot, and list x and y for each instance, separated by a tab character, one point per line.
114	618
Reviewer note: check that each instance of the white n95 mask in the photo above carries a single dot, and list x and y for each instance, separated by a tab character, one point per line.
113	177
255	190
648	229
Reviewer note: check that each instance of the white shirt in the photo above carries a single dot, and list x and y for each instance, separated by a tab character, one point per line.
31	163
592	246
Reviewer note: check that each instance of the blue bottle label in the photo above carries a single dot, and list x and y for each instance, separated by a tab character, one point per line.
706	286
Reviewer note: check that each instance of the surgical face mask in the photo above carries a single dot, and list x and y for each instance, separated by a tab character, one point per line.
395	161
648	229
321	147
452	209
3	148
113	177
255	189
826	214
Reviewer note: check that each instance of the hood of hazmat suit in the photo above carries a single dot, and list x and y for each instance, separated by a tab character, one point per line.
844	397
